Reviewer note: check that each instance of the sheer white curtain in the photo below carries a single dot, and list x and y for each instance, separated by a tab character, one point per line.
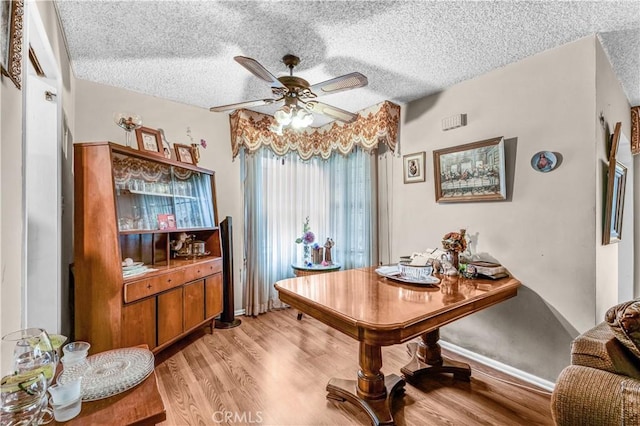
339	197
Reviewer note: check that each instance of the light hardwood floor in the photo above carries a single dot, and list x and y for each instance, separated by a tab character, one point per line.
273	369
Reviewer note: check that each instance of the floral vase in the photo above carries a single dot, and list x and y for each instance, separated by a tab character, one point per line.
455	261
306	254
196	152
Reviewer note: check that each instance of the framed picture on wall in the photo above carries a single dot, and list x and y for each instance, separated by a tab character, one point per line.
150	140
614	194
11	14
184	153
414	167
471	172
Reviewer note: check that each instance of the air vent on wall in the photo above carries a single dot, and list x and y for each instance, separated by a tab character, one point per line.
454	121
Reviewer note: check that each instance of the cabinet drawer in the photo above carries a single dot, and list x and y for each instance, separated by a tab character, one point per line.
145	288
201	270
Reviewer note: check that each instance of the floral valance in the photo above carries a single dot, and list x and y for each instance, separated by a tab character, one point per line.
377	124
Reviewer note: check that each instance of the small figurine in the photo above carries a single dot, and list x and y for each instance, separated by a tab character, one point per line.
327	251
181	245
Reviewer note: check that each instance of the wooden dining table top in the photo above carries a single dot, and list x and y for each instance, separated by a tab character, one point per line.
381	311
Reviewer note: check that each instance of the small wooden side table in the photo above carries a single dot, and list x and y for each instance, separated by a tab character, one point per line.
140	405
300	270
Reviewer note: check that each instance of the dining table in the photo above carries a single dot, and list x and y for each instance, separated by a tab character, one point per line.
379	310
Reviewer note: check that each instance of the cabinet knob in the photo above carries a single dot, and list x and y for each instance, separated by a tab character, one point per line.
198	270
169	280
148	286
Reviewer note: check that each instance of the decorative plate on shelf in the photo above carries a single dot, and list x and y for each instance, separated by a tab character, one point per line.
109	373
131	267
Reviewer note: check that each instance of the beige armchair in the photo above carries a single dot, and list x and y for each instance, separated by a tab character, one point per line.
602	384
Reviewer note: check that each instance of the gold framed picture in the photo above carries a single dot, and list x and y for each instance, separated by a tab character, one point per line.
184	153
471	172
11	14
150	140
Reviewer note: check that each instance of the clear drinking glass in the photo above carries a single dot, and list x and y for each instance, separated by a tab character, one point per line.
23	398
33	353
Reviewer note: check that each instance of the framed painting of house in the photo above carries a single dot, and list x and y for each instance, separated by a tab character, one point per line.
471	172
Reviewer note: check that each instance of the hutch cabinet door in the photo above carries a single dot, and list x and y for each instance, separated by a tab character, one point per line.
213	295
139	323
169	315
193	304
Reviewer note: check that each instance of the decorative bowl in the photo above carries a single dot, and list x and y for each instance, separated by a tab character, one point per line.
418	273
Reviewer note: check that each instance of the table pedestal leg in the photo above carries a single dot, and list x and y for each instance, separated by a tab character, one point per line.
372	391
427	359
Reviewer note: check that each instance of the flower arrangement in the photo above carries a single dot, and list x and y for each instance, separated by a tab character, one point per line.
203	143
455	241
307	237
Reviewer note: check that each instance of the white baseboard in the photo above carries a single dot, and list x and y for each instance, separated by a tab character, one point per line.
507	369
522	375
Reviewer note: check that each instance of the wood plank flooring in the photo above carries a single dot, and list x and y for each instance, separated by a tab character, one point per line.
273	369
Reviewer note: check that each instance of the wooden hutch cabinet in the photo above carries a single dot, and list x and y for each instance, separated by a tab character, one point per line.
132	204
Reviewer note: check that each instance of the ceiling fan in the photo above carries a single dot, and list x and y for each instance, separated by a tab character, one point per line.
298	95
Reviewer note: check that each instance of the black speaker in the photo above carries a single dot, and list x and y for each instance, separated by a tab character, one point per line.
227	318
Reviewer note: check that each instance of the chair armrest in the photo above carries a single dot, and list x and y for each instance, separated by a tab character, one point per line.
631	402
585	395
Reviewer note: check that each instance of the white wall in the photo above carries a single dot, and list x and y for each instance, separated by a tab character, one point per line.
11	223
95	105
614	262
545	233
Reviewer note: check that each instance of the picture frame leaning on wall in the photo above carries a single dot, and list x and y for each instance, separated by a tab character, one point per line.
616	182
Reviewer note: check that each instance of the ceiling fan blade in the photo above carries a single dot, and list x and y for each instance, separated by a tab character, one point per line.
258	70
247	104
338	84
331	111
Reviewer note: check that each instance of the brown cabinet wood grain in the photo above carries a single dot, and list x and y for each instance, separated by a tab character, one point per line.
193	304
144	288
139	323
170	315
213	295
120	193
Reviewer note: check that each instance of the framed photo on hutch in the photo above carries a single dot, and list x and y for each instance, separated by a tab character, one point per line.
471	172
184	153
413	166
150	140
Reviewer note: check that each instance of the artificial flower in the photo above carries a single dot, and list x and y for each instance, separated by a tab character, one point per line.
455	241
307	237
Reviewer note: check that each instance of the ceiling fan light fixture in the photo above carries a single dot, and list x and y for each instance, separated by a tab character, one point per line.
301	119
276	128
284	115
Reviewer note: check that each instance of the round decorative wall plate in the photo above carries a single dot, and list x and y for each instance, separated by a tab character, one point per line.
544	161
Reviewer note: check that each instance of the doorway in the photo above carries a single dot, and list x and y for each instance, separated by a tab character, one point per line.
42	299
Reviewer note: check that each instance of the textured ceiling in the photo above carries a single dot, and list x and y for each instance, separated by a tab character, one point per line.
183	50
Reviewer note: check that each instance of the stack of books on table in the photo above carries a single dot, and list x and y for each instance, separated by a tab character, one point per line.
490	270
